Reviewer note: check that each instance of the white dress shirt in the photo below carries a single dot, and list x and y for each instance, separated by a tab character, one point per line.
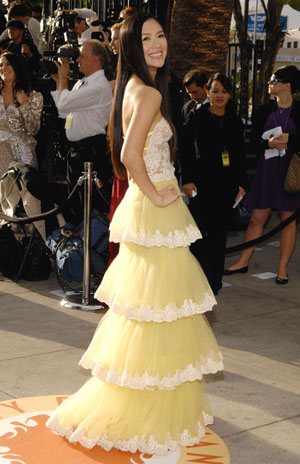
87	106
87	14
85	35
34	28
203	103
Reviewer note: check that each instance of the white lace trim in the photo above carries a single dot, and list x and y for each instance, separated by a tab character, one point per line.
174	239
148	382
157	157
168	314
136	443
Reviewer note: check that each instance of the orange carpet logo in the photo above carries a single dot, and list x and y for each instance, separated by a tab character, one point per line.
24	439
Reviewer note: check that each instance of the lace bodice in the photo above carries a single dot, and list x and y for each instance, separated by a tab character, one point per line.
157	157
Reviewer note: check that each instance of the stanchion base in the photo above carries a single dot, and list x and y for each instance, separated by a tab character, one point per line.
73	300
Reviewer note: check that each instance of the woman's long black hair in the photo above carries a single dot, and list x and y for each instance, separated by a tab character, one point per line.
22	81
132	61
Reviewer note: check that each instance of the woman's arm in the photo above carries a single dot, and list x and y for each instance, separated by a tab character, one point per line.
259	120
188	160
146	108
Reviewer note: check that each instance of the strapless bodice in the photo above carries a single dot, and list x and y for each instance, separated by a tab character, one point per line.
157	157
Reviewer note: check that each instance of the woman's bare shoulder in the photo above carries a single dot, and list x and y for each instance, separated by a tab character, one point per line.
138	98
149	94
138	91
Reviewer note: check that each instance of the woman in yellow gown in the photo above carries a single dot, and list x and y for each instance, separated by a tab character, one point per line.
152	348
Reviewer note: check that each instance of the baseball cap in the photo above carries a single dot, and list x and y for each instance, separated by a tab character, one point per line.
15	23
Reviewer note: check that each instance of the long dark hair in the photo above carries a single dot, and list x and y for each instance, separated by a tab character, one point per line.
132	61
22	81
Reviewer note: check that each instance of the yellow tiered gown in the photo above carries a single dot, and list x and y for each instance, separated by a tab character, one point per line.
152	348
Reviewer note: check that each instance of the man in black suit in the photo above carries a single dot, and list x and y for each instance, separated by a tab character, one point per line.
195	85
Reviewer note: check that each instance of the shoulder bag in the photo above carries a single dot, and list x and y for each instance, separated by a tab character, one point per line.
292	180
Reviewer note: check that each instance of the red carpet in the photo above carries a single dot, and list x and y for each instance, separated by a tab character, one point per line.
24	439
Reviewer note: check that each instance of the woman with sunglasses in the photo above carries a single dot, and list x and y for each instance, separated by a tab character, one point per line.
276	133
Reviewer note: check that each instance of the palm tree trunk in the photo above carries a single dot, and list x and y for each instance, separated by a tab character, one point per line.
199	35
274	37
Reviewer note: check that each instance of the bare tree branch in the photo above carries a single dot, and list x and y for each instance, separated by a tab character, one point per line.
264	6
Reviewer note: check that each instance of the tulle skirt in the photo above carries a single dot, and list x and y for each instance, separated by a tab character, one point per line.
152	348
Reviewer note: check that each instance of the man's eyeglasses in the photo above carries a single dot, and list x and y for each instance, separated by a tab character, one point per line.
274	80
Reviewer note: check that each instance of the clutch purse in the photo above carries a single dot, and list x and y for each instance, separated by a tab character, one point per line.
292	180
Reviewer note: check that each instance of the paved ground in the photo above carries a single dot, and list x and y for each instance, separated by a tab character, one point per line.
255	401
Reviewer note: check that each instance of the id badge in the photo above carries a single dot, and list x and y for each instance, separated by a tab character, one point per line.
225	159
69	121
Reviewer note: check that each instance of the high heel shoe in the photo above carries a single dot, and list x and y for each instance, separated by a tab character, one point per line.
241	270
281	281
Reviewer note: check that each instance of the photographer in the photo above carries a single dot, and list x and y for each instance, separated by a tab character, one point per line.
83	31
86	109
18	44
18	11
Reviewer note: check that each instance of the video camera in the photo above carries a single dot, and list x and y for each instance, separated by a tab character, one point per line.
99	34
69	50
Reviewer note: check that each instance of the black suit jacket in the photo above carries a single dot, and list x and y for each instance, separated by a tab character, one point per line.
216	184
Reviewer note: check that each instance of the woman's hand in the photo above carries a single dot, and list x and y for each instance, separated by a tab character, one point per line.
167	195
21	97
278	142
241	192
25	50
189	188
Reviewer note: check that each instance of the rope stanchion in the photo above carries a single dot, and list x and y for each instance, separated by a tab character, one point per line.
263	238
83	299
39	217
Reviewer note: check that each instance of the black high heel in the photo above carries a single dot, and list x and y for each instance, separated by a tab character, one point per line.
241	270
281	281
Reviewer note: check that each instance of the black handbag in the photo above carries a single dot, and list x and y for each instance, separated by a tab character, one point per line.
11	252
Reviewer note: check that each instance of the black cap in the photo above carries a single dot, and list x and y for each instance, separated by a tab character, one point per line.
15	23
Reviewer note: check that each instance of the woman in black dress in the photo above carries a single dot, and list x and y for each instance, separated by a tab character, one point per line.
268	187
213	168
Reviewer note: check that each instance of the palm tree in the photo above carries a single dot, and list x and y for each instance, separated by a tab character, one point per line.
199	35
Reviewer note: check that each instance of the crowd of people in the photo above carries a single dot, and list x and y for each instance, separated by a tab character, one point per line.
153	346
210	147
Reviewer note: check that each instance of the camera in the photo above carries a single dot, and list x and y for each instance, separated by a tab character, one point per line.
69	50
99	34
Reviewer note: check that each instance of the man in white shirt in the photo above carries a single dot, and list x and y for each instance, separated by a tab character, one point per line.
86	109
84	32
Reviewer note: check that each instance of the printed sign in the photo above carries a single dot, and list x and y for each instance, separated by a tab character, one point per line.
261	18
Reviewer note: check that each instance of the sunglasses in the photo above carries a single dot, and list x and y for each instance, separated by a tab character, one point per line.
274	81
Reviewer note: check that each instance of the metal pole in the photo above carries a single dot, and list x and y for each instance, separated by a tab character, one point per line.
255	23
88	180
254	67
